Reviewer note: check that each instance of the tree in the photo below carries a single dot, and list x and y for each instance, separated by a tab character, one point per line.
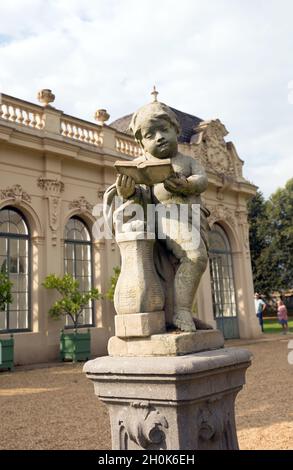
271	240
259	242
5	291
280	214
73	301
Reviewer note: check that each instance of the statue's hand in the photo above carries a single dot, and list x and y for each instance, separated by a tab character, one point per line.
125	186
177	184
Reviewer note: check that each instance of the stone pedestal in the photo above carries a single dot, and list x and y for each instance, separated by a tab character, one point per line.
180	402
176	343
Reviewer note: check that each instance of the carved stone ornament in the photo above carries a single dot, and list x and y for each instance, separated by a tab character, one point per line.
45	96
243	222
226	183
100	194
54	204
81	204
216	424
101	116
209	424
220	212
143	424
53	188
211	148
16	193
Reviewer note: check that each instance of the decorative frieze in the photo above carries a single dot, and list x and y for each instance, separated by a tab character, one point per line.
51	186
16	193
221	212
81	204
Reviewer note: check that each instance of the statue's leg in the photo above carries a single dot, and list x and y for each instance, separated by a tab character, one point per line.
192	266
165	264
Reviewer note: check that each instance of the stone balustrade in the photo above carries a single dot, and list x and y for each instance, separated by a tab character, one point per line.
87	133
127	146
21	112
54	121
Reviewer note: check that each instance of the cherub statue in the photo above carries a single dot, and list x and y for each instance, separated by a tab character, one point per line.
179	262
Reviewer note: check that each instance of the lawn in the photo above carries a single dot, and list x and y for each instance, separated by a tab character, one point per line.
271	325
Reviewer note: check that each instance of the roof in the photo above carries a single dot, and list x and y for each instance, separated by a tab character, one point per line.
187	123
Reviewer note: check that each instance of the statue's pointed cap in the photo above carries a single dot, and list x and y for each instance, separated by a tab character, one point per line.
153	110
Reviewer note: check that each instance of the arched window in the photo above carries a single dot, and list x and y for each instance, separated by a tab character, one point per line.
15	261
222	280
78	261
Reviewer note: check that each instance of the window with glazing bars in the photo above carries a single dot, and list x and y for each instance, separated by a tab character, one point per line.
221	270
78	261
15	261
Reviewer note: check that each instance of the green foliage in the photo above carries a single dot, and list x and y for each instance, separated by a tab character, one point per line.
114	279
5	291
259	242
271	240
280	213
72	301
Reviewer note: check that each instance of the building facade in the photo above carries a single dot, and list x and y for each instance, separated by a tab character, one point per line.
54	170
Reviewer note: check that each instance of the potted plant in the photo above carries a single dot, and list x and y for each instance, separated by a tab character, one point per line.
75	346
6	345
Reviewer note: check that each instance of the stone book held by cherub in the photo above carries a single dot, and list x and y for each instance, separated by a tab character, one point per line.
146	172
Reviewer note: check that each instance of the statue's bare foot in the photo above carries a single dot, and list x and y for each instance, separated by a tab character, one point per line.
184	321
200	325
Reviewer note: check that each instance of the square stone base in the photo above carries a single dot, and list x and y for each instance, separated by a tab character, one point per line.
167	344
139	324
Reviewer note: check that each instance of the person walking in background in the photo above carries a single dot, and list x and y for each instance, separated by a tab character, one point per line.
283	316
259	309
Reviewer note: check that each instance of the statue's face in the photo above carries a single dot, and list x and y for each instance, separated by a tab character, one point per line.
159	138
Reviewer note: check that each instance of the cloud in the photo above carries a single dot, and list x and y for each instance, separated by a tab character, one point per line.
272	169
231	60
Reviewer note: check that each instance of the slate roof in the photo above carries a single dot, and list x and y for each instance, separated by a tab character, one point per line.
187	123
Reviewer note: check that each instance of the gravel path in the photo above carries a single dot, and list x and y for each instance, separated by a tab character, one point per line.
264	408
55	407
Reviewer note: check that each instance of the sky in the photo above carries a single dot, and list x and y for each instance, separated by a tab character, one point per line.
226	59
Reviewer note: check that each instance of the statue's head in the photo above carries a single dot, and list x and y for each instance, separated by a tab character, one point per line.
155	128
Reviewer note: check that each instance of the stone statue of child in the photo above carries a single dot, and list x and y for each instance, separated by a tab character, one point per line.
156	128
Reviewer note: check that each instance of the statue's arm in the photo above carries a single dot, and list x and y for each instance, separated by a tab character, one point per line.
125	186
197	181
